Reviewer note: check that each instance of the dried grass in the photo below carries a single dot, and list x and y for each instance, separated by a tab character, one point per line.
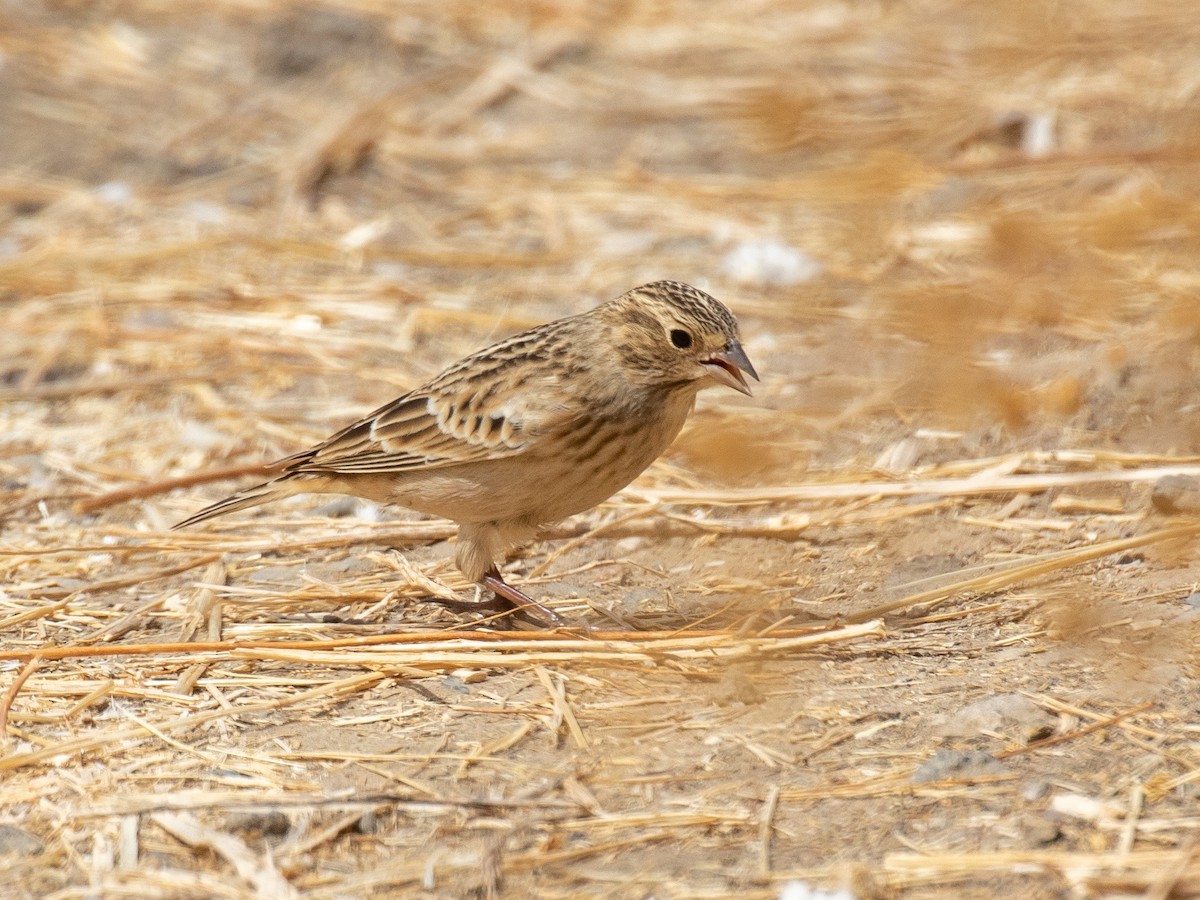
227	232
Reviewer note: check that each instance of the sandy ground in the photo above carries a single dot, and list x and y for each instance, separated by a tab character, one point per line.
918	619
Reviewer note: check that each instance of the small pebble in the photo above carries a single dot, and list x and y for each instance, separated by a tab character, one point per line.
368	823
274	574
958	764
1010	714
269	821
1176	494
1036	790
799	890
1039	830
18	841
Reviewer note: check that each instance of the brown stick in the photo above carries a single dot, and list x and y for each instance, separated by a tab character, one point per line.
118	583
14	689
138	492
996	581
76	651
72	389
1078	732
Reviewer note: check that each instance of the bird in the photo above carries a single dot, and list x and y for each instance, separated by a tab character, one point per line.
537	427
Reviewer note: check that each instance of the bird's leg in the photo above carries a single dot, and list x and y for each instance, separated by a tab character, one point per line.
520	601
506	598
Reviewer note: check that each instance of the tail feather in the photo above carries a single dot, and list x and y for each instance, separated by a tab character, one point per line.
260	493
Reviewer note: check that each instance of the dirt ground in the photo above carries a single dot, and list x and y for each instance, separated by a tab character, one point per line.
919	619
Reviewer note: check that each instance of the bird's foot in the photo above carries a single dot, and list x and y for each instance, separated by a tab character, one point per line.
506	599
521	602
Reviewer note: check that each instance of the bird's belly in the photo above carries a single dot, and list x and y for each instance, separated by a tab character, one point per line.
532	489
564	475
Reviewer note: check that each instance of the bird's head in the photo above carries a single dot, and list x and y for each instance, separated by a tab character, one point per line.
671	334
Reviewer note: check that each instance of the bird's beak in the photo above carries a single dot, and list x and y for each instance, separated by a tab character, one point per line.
726	366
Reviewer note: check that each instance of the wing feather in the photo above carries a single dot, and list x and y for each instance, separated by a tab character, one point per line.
490	410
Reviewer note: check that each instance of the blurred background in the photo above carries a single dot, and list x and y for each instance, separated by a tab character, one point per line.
979	217
962	240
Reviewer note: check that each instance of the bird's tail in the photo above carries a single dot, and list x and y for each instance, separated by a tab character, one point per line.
253	496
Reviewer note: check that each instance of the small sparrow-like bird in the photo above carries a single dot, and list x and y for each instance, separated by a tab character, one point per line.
535	428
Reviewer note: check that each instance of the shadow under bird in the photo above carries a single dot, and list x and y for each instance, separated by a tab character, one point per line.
537	427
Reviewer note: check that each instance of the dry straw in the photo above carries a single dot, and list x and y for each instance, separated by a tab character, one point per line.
961	239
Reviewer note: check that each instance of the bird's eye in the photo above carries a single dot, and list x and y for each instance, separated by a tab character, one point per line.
681	338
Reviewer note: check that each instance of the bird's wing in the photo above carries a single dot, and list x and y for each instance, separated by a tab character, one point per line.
448	422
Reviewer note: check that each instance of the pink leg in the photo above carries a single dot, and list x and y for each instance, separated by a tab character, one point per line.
541	615
507	599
